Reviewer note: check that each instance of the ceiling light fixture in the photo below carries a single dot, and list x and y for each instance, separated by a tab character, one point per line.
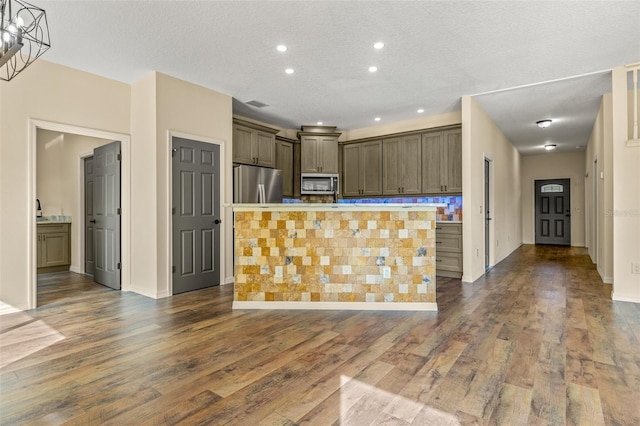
373	68
320	123
281	48
420	111
289	71
378	45
550	146
377	118
543	124
24	36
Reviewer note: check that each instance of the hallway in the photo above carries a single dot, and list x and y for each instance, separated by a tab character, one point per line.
536	341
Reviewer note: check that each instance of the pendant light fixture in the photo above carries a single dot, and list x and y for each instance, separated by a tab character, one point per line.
24	36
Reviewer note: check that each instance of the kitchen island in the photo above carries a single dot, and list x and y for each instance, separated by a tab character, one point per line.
335	256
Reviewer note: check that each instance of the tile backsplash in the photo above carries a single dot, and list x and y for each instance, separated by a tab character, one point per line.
451	212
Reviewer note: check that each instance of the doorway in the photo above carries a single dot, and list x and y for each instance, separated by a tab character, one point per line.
35	126
553	211
196	215
487	214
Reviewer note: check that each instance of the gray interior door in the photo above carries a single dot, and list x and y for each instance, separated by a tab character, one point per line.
196	215
553	211
88	216
487	217
106	213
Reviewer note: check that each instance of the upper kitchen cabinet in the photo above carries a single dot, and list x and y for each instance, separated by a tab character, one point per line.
254	144
402	165
442	162
319	149
362	169
284	162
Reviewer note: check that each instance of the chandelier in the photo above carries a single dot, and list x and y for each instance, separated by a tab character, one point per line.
24	36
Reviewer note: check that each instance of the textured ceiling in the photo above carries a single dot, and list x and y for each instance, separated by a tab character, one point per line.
435	52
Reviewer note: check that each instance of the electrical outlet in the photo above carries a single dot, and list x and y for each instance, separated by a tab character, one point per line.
635	267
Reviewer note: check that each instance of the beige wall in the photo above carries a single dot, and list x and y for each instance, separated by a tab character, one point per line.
428	122
60	180
58	94
599	190
550	166
626	195
481	139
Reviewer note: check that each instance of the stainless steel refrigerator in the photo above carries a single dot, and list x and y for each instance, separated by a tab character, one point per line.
256	185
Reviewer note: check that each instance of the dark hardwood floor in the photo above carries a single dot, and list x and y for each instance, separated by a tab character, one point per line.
537	341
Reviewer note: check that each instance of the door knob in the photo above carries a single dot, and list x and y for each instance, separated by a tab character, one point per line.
92	221
217	221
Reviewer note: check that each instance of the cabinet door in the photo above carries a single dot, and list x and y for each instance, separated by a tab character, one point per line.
452	173
39	249
328	154
371	168
265	149
431	163
351	170
284	162
242	145
55	249
392	166
309	162
411	165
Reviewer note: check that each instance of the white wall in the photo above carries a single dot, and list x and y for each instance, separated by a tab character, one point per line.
58	94
60	179
481	139
626	195
550	166
427	122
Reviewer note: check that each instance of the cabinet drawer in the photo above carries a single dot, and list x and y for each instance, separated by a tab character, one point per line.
448	228
449	262
44	228
449	243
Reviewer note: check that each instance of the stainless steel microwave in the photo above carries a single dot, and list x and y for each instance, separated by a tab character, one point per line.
319	184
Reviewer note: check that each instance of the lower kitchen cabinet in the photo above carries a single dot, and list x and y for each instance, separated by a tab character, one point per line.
449	249
53	247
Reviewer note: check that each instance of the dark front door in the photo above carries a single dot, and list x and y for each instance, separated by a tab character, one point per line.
196	215
553	211
106	213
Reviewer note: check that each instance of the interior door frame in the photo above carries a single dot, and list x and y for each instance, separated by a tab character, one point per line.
533	202
81	200
168	205
492	230
125	224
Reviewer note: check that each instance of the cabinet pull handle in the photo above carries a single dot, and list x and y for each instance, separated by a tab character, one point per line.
440	188
438	242
437	228
438	260
445	188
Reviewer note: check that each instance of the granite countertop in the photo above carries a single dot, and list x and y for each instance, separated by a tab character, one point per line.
328	207
448	221
53	219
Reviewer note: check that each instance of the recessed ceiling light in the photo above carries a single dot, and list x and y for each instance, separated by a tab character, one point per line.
320	123
550	146
289	71
378	45
543	123
373	68
377	118
281	48
420	111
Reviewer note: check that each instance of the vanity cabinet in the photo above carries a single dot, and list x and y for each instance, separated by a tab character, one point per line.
362	169
284	162
402	165
442	162
254	144
53	247
449	249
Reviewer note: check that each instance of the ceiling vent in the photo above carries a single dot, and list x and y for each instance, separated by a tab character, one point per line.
256	104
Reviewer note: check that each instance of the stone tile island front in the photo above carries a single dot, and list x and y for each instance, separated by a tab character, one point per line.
335	256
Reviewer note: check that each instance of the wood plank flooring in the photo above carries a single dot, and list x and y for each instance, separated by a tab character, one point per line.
536	341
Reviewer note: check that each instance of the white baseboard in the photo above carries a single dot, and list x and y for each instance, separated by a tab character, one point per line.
337	306
150	294
607	280
622	297
228	280
76	269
